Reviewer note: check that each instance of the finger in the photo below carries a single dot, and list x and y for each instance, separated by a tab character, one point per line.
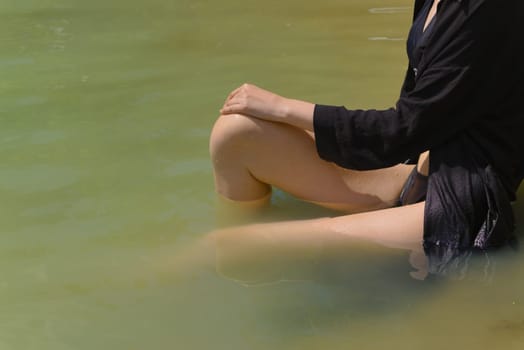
237	99
233	108
230	101
233	93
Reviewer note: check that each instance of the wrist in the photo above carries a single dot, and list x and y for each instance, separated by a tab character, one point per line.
284	109
299	113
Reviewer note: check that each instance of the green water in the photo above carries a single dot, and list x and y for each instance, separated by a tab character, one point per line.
105	111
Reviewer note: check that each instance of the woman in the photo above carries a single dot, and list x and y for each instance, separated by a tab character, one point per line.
458	117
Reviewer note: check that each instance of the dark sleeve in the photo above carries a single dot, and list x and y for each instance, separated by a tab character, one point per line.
447	97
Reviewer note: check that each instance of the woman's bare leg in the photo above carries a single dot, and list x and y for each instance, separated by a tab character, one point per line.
250	155
274	251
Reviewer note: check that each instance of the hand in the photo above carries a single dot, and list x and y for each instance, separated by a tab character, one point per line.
255	102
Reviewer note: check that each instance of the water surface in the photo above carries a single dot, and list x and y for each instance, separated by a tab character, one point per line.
106	107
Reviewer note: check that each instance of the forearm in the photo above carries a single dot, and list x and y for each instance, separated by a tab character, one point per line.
298	113
259	103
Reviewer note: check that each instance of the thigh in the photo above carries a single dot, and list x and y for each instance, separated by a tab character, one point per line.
277	246
286	157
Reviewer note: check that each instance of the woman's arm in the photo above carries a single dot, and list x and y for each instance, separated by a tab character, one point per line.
456	87
259	103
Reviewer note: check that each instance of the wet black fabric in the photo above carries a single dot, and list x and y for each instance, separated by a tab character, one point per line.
418	34
414	190
462	101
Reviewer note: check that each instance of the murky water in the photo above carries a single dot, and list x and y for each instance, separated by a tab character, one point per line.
106	107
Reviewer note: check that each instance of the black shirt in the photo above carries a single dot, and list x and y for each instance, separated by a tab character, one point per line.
417	34
464	105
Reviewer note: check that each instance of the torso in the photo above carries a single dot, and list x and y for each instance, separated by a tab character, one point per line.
431	14
423	160
421	28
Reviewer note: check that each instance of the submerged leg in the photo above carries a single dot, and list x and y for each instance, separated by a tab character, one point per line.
262	252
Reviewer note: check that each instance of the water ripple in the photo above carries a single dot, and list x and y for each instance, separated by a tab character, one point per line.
37	178
189	167
389	10
385	38
17	61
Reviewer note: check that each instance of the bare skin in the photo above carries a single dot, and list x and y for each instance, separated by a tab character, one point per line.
432	13
252	154
278	250
262	140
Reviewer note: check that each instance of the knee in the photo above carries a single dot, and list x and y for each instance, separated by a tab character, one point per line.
231	133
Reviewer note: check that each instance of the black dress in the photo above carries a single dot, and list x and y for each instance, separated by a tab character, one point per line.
461	100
